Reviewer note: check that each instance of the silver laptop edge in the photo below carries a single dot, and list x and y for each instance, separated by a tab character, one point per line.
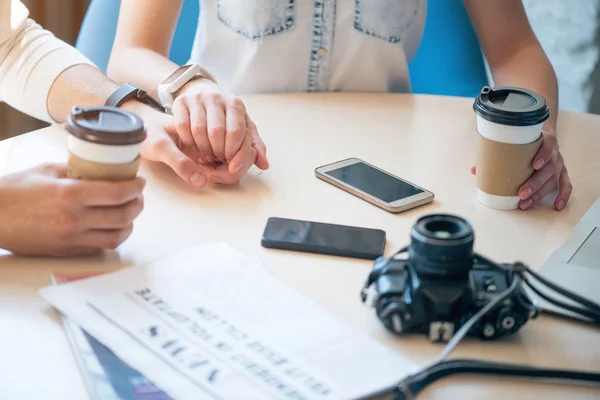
575	266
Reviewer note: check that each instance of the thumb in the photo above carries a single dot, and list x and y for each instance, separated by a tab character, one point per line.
261	157
261	152
183	166
474	169
257	144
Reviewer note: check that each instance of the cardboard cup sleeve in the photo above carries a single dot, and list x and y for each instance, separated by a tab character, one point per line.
501	167
79	168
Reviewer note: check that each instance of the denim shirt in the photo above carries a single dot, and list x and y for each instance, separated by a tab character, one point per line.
274	46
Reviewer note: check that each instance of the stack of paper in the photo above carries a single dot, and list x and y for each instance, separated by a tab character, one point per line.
210	323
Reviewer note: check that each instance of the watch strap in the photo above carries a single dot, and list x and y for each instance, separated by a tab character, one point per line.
206	74
130	92
167	89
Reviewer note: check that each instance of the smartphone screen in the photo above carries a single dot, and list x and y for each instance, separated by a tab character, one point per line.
374	182
316	237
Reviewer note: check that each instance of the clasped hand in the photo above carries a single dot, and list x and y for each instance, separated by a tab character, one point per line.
209	137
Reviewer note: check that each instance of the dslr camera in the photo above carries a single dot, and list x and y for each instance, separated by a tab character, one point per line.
438	283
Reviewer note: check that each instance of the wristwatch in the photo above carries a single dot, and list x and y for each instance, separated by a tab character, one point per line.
130	92
177	79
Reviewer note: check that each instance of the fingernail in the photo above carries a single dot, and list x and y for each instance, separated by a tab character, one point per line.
236	167
198	179
526	193
561	205
525	205
538	164
215	179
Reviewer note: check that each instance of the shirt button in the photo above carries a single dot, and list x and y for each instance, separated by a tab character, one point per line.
321	52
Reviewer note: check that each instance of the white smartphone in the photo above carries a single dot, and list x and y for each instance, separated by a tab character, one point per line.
374	185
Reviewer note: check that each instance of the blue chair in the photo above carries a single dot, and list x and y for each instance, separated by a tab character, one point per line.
99	26
448	62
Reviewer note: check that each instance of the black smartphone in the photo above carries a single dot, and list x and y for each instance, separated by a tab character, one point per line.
322	238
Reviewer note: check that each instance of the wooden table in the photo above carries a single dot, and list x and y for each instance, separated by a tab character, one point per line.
425	139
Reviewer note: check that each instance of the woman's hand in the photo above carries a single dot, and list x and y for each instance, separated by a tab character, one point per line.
550	173
215	125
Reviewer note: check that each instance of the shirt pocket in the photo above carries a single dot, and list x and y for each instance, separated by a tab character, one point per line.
385	19
255	19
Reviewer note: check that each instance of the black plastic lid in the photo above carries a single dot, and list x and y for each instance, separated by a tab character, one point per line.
106	125
511	106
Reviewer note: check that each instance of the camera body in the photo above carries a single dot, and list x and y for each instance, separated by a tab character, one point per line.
441	284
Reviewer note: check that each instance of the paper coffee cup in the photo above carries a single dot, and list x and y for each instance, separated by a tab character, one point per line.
104	143
509	126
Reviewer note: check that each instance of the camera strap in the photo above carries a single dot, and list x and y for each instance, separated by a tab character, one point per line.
411	386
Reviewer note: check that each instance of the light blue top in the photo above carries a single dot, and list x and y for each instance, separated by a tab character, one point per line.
448	60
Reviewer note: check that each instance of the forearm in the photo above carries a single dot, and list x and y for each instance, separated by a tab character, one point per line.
80	85
530	68
514	54
45	77
141	67
85	85
140	53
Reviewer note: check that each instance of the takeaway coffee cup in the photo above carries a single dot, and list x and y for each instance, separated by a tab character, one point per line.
509	134
104	143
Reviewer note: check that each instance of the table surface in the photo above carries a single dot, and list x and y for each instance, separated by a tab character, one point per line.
428	140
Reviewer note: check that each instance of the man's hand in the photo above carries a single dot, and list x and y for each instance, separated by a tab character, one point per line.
45	214
215	125
163	145
550	173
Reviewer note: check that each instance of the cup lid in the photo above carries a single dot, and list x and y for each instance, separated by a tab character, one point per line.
106	125
513	106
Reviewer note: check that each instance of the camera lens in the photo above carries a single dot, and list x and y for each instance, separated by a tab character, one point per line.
442	229
442	245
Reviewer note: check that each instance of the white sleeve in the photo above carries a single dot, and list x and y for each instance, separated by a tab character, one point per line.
31	59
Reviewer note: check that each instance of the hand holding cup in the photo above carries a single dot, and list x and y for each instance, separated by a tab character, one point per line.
550	174
517	163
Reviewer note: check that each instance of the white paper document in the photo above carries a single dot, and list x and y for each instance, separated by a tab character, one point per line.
210	323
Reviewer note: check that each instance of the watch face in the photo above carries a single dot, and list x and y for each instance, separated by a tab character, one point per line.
176	74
